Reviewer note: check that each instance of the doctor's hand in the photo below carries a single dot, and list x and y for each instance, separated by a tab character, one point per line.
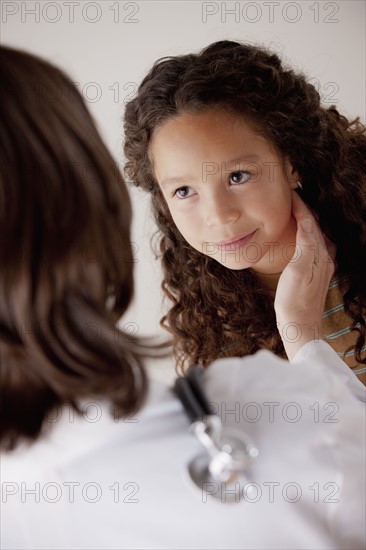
303	285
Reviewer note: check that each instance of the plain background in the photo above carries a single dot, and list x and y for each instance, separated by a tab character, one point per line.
108	46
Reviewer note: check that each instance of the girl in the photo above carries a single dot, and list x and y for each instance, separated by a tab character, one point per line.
220	139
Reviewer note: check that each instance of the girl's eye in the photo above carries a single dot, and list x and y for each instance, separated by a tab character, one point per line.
183	192
239	177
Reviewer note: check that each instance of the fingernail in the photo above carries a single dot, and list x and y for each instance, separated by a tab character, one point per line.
307	225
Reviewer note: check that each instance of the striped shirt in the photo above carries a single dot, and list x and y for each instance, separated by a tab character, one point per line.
336	329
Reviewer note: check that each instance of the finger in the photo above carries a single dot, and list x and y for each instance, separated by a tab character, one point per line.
299	207
311	257
323	249
302	212
313	245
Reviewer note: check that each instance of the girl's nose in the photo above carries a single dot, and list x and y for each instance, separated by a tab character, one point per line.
220	210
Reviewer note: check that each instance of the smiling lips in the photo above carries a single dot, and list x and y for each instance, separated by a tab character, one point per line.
234	243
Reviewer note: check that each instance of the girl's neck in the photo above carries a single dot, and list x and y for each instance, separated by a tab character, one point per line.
270	280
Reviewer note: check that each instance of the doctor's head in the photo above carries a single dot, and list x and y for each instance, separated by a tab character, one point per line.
65	258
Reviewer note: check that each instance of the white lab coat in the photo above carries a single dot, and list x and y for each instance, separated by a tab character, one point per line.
99	484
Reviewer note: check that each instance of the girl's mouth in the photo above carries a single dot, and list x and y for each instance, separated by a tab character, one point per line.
236	242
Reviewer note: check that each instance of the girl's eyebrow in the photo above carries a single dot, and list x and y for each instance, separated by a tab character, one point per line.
244	158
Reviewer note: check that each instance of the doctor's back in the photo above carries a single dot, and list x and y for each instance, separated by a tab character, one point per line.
96	481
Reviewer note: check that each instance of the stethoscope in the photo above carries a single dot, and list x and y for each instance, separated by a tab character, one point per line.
229	452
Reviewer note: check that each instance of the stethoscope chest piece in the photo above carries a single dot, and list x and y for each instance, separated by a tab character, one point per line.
221	470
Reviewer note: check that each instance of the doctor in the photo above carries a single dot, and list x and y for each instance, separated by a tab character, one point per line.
95	455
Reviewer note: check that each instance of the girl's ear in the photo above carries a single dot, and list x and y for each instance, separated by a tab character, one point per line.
293	175
294	179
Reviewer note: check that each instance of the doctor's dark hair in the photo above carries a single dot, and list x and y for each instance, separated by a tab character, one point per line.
323	146
65	258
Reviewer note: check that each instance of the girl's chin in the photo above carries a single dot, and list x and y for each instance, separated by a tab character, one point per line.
235	266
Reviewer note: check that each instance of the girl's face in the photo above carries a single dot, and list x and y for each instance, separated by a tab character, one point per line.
228	191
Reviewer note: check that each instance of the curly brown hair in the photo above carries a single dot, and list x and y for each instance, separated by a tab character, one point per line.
327	150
